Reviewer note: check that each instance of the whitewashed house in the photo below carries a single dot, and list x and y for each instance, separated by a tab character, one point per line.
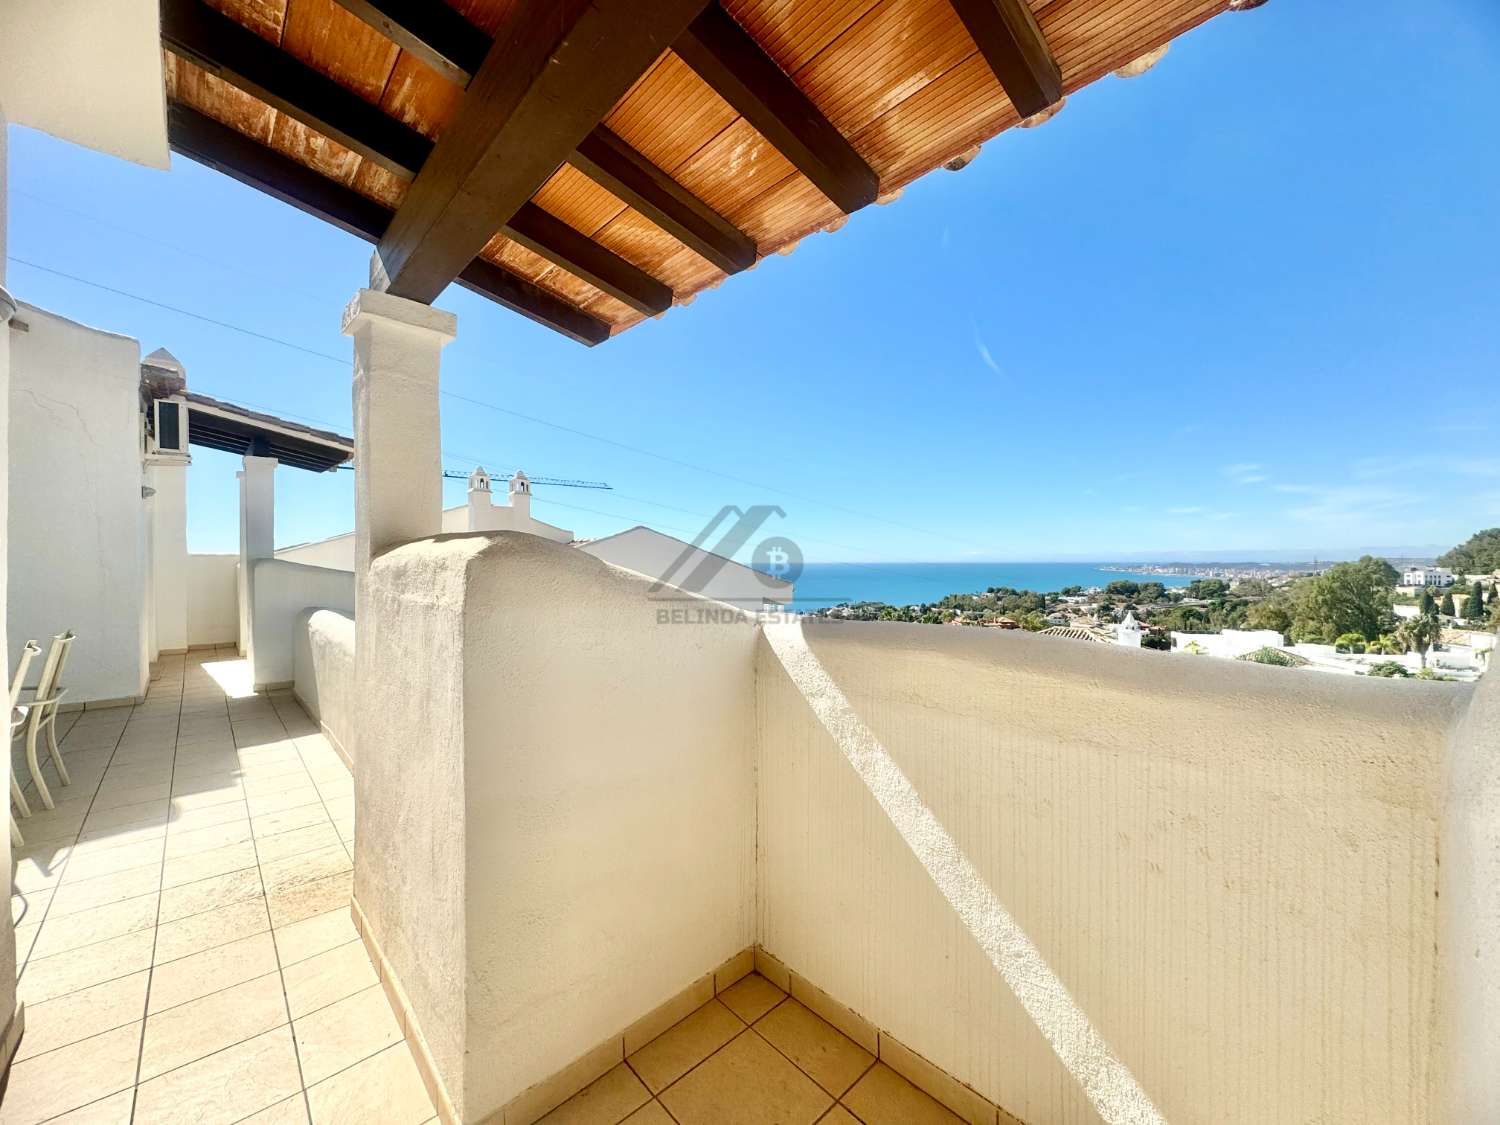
1439	576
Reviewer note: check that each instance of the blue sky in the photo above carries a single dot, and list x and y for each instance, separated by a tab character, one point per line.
1244	303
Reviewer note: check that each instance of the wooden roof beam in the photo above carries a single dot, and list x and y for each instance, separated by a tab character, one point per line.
542	88
728	58
602	156
243	59
1008	36
433	32
205	140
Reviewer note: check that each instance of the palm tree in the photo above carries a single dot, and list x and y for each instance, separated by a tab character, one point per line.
1419	633
1384	645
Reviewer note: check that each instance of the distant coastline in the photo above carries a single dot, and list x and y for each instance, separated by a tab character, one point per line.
822	585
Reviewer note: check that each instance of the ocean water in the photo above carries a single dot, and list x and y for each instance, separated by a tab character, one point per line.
826	584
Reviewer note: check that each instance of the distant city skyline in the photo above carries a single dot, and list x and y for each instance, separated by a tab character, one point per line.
1213	313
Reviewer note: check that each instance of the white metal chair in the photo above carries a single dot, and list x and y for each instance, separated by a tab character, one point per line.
41	714
17	720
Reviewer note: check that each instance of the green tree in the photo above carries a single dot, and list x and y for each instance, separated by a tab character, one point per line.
1392	575
1387	669
1474	606
1276	612
1418	634
1446	607
1385	645
1346	598
1425	605
1207	589
1479	555
1350	642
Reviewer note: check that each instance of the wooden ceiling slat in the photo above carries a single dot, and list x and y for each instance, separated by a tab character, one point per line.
544	233
264	17
610	162
921	39
758	165
227	150
1011	42
730	61
434	33
356	56
547	81
793	34
232	52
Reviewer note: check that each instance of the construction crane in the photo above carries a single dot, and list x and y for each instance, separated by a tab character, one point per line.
458	474
561	482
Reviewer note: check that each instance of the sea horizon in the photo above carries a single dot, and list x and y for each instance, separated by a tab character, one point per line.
824	584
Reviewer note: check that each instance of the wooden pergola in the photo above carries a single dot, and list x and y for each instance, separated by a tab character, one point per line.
589	163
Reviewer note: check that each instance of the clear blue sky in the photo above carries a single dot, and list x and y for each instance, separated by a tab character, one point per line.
1247	302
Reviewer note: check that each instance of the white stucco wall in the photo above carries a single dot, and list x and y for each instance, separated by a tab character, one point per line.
76	518
87	72
337	553
323	677
1231	868
7	925
1469	929
1229	644
212	599
660	556
546	771
281	591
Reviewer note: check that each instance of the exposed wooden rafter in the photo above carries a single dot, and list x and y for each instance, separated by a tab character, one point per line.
243	59
1007	35
205	140
432	31
726	57
602	156
541	90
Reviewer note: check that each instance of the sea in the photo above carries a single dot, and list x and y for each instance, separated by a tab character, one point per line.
821	585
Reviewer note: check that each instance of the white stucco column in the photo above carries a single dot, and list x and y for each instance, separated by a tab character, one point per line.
398	491
257	539
10	1028
169	553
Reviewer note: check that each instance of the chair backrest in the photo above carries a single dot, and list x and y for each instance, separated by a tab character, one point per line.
57	657
30	652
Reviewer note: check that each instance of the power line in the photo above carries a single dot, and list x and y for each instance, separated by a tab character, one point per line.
626	446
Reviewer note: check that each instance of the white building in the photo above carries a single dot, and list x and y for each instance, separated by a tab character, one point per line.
1229	644
1128	632
1427	576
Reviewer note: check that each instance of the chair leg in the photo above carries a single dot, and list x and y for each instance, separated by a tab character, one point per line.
16	839
18	797
36	770
62	770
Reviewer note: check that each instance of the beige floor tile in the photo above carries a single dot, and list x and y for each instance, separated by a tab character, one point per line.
202	973
298	842
311	936
114	859
289	820
838	1115
46	978
292	1111
88	927
224	1087
210	894
603	1102
189	819
328	977
82	1014
340	1035
751	997
680	1048
883	1097
205	865
384	1087
195	841
189	1031
747	1083
304	901
834	1061
649	1114
53	1083
98	839
294	871
113	1110
211	928
113	795
92	893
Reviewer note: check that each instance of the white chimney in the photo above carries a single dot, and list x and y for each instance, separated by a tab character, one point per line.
520	495
480	501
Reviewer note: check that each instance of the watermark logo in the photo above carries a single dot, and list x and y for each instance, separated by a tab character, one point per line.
774	560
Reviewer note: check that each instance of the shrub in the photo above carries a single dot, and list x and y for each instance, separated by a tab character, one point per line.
1349	642
1389	669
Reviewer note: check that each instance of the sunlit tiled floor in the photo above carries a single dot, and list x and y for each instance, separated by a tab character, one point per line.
751	1056
182	922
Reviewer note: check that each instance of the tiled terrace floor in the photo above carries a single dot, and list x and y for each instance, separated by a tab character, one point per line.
182	923
751	1056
